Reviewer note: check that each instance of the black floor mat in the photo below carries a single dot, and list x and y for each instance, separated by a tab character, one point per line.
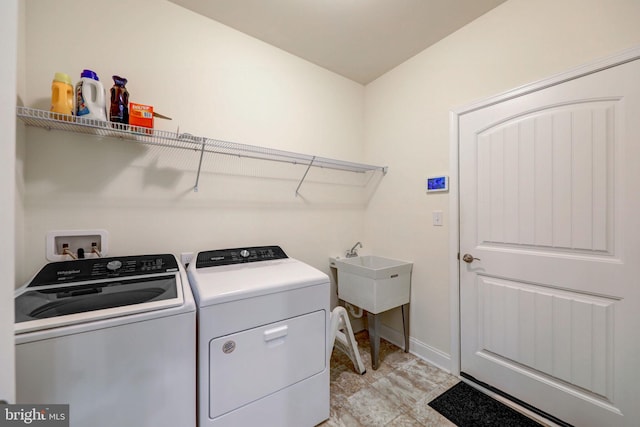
465	406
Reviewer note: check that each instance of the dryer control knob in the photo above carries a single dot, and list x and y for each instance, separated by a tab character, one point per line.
244	253
114	265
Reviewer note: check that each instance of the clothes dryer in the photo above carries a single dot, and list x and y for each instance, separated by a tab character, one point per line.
263	329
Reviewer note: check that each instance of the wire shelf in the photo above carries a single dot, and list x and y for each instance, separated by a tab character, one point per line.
54	121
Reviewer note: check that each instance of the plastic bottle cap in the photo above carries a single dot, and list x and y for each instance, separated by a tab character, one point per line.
119	81
89	74
62	77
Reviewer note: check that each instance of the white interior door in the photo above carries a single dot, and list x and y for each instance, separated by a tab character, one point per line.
550	204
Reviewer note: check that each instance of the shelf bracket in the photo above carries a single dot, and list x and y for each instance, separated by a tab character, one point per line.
313	159
195	187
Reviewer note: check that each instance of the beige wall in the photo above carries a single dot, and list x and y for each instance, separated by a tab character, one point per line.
218	83
8	71
20	149
407	126
214	82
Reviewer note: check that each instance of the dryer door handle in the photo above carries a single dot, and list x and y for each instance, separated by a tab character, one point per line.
275	333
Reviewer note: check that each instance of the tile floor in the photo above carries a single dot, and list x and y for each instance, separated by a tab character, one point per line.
396	394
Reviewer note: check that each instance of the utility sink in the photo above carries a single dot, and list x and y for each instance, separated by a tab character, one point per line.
374	283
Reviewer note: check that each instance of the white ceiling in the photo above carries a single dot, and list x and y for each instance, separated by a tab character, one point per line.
358	39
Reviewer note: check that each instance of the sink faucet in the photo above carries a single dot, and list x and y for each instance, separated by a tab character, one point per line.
353	252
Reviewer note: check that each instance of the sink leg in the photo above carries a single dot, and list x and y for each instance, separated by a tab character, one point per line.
374	338
405	326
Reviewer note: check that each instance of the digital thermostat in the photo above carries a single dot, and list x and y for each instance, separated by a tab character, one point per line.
437	183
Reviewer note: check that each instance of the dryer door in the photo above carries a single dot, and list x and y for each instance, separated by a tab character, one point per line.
252	364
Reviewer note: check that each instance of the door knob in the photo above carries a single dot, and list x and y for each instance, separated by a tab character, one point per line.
468	258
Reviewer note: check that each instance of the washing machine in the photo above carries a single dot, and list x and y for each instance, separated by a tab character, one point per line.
263	323
112	337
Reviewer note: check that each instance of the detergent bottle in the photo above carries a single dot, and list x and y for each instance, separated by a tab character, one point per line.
62	97
119	111
90	97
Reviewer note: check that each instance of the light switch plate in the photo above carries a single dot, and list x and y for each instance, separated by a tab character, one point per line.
437	218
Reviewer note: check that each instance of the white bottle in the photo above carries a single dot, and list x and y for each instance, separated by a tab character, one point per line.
90	97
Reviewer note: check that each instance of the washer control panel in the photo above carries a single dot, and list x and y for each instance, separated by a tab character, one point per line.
104	268
220	257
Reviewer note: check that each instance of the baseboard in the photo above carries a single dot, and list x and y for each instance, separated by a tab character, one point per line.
425	352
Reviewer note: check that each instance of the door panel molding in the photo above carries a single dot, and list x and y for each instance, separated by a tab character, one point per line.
548	324
562	139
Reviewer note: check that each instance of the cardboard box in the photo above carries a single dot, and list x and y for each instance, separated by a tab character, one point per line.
140	115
